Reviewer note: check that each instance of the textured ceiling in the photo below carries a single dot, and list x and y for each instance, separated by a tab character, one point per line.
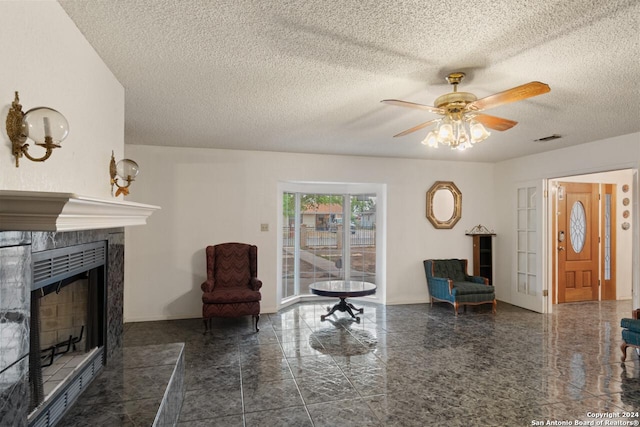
308	76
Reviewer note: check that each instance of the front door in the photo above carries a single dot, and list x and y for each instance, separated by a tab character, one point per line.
578	256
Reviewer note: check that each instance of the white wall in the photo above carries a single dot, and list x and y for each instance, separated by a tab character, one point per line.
46	58
211	196
611	154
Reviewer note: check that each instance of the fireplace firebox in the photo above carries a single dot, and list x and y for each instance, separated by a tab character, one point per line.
67	327
38	270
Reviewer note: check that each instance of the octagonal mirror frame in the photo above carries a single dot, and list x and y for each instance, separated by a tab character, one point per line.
455	210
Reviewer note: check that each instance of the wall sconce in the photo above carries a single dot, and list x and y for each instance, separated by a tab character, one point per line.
45	126
125	169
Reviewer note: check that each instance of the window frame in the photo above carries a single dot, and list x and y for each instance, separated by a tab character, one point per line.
349	189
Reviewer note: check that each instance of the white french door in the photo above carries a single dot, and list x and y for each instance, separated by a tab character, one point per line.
529	284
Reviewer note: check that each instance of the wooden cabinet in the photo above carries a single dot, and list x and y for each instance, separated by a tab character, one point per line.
483	255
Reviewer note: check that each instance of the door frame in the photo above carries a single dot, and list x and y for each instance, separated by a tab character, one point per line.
551	241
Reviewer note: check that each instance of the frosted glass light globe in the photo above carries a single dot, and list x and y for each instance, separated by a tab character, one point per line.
127	169
41	122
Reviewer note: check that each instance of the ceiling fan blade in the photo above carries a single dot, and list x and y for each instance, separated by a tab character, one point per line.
518	93
495	123
413	105
415	128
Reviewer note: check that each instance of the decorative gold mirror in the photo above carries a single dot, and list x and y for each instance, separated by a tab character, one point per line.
444	204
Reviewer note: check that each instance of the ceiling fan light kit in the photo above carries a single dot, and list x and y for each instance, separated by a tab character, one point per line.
463	125
457	134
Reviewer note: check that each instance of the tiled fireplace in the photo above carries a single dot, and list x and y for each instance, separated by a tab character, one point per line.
17	251
80	297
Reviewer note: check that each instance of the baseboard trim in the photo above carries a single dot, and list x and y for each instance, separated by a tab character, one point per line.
263	310
160	318
412	301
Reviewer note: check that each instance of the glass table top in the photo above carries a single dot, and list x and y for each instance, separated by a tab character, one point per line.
342	288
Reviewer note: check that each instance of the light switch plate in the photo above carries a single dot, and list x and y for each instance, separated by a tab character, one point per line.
264	227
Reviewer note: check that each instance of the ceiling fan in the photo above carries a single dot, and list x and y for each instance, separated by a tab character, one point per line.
463	123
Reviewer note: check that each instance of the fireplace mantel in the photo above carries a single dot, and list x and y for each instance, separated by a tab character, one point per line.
48	211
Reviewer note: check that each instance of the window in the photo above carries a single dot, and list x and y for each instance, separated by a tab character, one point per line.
327	236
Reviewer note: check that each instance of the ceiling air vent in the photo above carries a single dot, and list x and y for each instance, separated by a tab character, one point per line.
548	138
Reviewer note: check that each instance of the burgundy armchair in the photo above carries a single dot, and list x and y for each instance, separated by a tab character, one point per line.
232	288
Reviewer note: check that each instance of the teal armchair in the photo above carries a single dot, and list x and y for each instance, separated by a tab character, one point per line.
448	281
630	335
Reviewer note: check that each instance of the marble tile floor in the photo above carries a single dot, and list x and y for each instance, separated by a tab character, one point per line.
405	365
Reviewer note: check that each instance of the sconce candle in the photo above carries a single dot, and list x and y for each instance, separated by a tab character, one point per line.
45	126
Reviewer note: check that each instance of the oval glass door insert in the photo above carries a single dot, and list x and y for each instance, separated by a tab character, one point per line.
578	227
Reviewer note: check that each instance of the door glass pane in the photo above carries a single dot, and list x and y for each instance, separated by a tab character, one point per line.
321	246
522	219
531	219
522	261
288	284
362	237
607	237
522	198
531	197
577	227
531	263
533	286
288	244
527	241
522	283
531	241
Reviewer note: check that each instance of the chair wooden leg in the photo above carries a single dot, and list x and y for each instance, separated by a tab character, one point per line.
623	347
494	305
257	317
206	325
455	308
